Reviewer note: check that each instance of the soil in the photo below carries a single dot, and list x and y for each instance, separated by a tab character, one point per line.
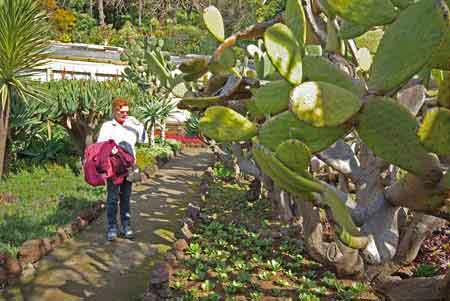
90	268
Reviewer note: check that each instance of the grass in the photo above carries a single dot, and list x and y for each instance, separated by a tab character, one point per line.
234	256
48	196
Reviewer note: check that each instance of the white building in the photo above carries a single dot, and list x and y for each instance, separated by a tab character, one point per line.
87	61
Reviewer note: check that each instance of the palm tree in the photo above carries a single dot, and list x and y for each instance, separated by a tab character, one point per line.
23	43
155	110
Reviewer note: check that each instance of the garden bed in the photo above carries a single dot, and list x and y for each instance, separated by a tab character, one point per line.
43	206
238	251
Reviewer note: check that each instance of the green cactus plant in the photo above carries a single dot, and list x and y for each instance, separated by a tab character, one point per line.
388	129
434	132
273	98
318	68
365	12
323	104
316	102
407	45
214	22
284	52
226	125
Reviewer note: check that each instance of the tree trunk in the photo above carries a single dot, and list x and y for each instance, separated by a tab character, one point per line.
152	135
101	13
163	130
91	8
141	5
4	128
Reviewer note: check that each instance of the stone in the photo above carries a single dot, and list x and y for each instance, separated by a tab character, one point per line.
180	245
187	234
31	251
160	274
150	297
171	259
180	255
193	212
12	267
46	243
188	221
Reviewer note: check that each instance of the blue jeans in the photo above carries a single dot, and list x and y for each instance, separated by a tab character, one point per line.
122	193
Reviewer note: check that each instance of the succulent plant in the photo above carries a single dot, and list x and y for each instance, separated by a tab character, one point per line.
301	104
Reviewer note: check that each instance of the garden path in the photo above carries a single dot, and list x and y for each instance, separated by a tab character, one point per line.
90	268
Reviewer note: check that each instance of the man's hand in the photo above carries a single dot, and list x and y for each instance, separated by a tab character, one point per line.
114	150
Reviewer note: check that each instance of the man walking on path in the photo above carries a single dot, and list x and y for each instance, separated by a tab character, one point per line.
124	130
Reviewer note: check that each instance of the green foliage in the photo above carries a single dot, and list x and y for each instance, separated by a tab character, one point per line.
426	270
322	104
434	132
401	54
48	195
223	124
191	126
388	128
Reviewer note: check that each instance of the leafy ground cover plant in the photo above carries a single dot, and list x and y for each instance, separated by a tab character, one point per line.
244	253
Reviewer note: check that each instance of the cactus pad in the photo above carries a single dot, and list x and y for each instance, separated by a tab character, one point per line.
444	90
407	45
199	102
434	133
286	126
350	30
295	155
365	12
295	20
225	125
223	65
273	98
317	68
284	52
389	130
322	104
214	22
194	65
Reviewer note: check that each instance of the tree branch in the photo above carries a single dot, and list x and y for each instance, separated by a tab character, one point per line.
252	32
318	29
341	157
247	166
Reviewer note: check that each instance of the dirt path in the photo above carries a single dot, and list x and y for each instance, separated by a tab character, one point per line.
90	268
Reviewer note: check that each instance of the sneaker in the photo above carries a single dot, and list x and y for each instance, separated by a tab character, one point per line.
112	234
127	232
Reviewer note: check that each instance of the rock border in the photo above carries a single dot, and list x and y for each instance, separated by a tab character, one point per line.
31	251
161	274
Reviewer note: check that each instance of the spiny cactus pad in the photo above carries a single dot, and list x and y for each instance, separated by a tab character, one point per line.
444	90
407	45
199	102
214	22
402	4
295	20
295	155
284	52
225	125
273	98
284	177
434	132
285	126
347	231
441	55
389	130
370	40
223	65
194	65
365	12
322	104
350	30
317	68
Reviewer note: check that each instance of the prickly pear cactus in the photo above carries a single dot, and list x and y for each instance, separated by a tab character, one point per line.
298	99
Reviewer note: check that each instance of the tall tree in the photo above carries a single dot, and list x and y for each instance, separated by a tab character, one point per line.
101	12
23	42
